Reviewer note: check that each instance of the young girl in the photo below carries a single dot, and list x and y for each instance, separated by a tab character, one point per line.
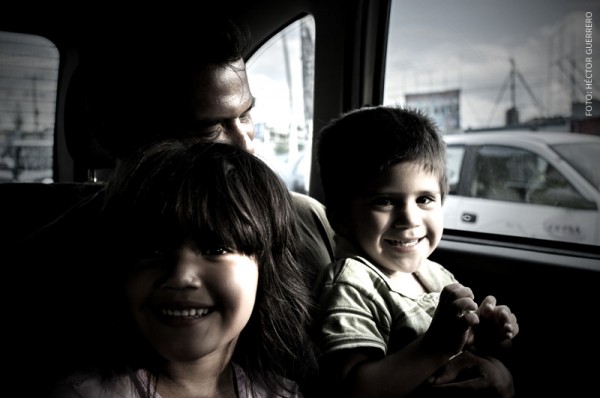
206	287
390	317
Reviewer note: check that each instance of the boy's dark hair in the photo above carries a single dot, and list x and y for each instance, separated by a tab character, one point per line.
360	144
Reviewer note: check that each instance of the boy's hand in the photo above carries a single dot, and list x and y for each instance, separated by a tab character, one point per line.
497	324
453	318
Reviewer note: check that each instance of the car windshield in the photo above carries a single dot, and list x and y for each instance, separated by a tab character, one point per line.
584	158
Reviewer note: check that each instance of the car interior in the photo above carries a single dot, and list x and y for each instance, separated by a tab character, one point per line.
552	287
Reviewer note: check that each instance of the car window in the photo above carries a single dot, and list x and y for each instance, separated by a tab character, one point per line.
454	160
517	175
28	82
553	189
509	66
502	173
585	158
281	76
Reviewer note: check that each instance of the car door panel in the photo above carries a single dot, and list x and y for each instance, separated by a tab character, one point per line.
521	219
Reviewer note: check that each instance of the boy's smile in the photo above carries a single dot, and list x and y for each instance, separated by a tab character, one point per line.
399	221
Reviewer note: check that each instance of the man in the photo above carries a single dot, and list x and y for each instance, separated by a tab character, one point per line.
164	89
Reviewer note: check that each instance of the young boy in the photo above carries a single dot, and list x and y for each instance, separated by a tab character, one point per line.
390	318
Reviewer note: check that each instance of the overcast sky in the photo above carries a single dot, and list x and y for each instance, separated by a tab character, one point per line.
443	45
468	44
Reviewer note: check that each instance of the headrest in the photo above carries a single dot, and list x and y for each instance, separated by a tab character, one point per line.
82	142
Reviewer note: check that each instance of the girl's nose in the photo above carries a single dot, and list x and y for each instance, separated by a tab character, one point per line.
186	270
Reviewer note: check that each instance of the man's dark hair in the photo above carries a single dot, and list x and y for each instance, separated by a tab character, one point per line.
136	83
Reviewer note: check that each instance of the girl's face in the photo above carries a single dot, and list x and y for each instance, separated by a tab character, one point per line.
194	304
398	222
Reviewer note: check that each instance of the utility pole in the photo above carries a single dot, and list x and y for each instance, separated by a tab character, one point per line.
292	133
512	114
36	110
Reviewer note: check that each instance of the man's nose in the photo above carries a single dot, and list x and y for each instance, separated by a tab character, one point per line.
242	134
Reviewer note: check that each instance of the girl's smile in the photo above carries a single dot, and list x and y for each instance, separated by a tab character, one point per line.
195	304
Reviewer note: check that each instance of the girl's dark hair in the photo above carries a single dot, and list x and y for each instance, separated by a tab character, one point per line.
362	143
176	190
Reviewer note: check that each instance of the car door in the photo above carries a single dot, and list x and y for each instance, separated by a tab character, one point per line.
503	189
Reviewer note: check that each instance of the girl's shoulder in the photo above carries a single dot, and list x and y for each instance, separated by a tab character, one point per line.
259	389
91	384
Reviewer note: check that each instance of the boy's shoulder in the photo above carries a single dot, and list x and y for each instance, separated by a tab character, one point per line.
354	270
360	273
434	275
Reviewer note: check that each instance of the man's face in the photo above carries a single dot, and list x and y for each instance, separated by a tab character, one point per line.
220	106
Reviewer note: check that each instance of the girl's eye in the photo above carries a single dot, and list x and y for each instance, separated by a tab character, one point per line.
152	254
150	258
215	251
150	250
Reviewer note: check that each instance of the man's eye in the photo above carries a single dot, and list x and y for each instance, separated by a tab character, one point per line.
210	133
209	130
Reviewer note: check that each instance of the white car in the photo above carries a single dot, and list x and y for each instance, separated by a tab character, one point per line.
534	184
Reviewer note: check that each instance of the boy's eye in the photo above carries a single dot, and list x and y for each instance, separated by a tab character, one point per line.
425	199
383	202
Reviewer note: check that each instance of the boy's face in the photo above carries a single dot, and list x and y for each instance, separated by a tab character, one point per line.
398	221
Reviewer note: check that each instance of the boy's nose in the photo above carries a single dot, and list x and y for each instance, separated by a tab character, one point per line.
405	216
